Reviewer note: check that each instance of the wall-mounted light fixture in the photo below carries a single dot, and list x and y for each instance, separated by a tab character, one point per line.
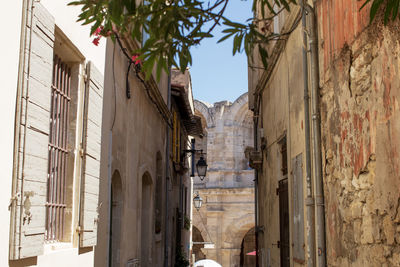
201	165
197	201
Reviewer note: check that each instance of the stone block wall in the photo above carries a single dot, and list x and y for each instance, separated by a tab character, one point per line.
360	142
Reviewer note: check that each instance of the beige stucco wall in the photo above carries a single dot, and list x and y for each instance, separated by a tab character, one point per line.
227	213
133	133
282	113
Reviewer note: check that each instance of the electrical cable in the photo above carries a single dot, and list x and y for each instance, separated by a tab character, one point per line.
137	71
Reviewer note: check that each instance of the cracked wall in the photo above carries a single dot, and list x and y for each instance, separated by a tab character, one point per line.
360	141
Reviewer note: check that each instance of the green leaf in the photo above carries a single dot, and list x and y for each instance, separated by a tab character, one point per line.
263	55
395	9
374	9
225	37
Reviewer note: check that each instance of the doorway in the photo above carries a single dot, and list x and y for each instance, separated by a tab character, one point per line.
284	222
115	220
146	221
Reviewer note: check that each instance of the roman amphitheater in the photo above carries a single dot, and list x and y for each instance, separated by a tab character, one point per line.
223	228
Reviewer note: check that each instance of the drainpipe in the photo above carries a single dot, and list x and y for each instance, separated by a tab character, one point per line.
167	173
256	184
310	253
316	126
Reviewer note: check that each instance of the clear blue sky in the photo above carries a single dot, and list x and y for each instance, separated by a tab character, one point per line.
216	74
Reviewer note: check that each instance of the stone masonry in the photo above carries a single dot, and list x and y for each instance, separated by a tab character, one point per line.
227	213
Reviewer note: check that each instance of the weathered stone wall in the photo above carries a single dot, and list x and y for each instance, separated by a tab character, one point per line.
227	213
360	141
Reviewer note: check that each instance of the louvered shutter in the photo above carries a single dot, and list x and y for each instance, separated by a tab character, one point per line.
91	157
28	213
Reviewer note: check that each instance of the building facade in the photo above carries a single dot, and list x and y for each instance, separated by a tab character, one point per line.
223	227
54	192
144	186
327	134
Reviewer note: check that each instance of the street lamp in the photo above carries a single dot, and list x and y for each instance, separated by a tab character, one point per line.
197	201
201	167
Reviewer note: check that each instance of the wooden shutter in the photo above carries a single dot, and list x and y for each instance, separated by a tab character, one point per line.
28	213
91	157
298	209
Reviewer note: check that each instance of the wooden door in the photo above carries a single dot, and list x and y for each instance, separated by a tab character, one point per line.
284	222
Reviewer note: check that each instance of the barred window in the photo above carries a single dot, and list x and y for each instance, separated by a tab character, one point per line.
58	151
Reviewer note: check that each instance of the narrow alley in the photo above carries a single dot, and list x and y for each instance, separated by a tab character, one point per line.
133	138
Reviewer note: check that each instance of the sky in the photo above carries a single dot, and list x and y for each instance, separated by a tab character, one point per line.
216	74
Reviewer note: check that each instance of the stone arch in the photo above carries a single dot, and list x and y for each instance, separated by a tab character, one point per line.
242	119
248	246
204	110
116	206
146	219
239	104
196	248
238	231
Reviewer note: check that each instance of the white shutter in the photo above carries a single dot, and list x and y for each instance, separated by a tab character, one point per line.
28	213
91	157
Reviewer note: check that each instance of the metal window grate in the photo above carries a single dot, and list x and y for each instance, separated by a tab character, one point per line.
58	151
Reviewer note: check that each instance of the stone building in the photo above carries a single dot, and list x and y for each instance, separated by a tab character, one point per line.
327	131
223	226
54	183
144	188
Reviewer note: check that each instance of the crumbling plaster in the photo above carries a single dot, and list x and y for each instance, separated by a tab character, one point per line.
360	139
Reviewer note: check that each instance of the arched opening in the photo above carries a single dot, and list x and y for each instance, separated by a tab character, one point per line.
196	249
244	133
115	219
248	248
146	222
158	212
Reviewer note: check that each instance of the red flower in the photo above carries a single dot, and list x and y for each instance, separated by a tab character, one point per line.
135	59
98	31
96	41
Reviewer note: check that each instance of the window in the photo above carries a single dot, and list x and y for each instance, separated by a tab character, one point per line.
176	138
54	112
58	150
283	150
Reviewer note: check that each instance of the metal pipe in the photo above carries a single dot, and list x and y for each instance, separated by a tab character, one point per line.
255	130
316	126
193	155
310	237
167	173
